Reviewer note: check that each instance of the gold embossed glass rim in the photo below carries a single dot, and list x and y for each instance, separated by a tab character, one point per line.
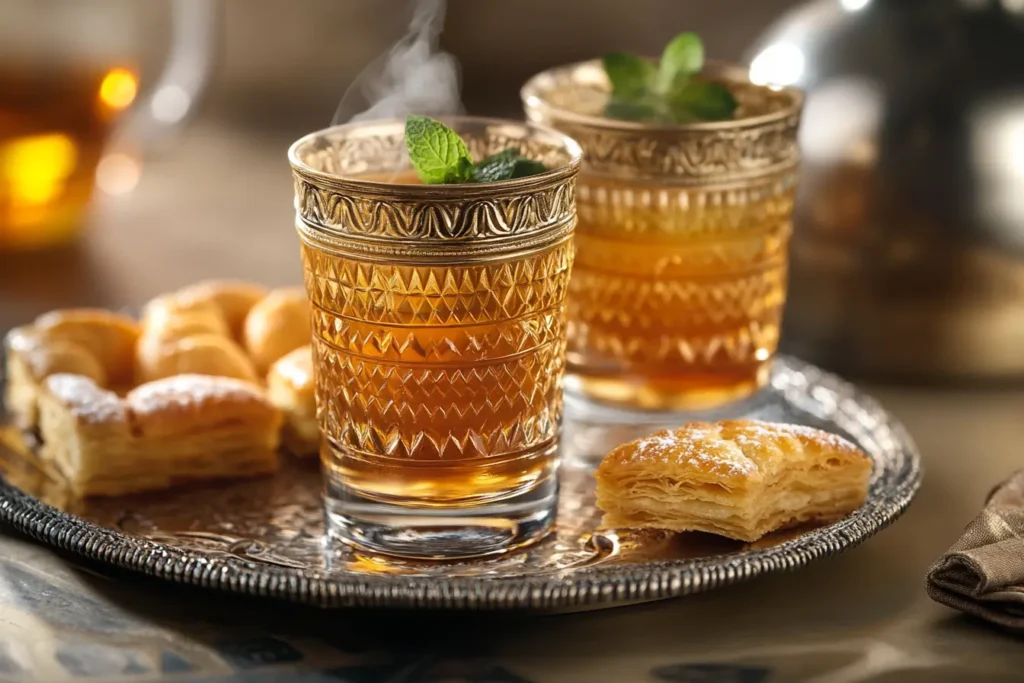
680	274
438	336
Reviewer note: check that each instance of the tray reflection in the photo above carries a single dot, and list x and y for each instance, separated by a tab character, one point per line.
264	537
278	520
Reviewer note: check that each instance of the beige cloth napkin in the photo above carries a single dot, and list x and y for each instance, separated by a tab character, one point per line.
983	573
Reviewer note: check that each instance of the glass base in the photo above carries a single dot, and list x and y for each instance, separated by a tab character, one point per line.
592	427
439	533
694	391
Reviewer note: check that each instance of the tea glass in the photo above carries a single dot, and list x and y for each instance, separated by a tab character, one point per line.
680	276
438	336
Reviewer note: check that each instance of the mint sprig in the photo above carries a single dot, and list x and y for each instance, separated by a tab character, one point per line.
437	152
631	76
504	166
668	92
682	58
440	156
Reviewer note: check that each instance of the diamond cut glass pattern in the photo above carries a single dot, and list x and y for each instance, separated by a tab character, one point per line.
680	275
439	332
440	363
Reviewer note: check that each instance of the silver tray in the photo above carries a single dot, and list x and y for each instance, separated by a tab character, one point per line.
264	537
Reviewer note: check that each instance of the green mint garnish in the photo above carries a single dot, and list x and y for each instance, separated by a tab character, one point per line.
703	101
630	111
668	92
437	152
682	58
630	76
440	156
526	167
504	166
495	167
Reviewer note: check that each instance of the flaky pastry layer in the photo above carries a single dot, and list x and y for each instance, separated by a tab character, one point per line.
739	478
117	403
290	387
163	433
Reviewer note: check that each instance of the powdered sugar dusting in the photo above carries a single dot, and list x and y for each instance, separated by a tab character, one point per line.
730	448
86	401
696	447
22	339
296	368
188	392
764	431
26	342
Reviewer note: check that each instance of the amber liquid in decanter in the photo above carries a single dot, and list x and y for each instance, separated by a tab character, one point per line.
54	125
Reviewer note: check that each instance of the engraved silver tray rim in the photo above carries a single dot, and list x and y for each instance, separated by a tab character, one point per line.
896	480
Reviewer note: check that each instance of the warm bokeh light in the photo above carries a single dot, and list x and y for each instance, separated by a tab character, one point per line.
171	103
34	168
118	173
841	121
778	64
118	88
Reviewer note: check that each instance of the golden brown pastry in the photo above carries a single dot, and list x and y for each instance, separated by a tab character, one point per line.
233	299
738	478
92	343
169	317
40	356
160	434
123	407
202	354
290	388
107	336
189	334
276	325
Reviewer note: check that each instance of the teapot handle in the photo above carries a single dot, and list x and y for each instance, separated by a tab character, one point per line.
172	100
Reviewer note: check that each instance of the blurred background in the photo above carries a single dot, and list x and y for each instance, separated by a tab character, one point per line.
142	147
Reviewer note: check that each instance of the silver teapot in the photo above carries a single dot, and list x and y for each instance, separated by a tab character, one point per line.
908	252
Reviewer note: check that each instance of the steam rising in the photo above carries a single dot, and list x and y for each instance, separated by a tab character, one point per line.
414	77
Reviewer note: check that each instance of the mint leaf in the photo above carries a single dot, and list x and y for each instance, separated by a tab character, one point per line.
702	101
436	151
630	111
495	167
526	167
667	93
440	156
629	75
682	58
506	165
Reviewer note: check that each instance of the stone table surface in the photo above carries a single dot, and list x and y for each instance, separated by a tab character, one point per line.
219	205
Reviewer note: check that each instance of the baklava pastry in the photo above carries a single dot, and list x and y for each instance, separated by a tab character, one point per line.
277	325
231	298
739	478
93	343
160	434
191	332
121	406
290	387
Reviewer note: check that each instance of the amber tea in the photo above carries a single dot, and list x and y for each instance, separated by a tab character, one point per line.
54	125
678	305
439	339
481	418
680	275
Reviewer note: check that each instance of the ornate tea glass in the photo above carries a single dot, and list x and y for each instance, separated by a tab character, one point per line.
438	337
680	275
